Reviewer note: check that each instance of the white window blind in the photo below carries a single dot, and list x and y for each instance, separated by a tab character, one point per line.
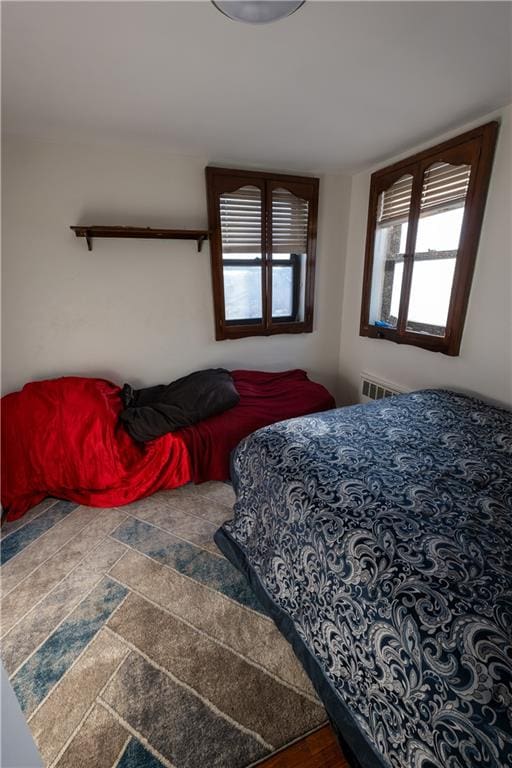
444	186
395	202
241	220
289	222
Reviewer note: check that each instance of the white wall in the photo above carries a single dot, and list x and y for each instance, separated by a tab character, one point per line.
133	310
484	365
141	311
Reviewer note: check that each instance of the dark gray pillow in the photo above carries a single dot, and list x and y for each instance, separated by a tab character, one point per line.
152	412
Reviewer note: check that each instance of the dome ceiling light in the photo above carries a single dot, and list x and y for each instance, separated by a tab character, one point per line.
257	11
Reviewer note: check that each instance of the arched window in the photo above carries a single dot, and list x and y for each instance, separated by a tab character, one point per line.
262	240
424	221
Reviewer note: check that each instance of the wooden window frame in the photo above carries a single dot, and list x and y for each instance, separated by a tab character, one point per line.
221	180
475	147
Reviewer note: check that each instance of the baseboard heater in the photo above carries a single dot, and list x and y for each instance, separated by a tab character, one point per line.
373	388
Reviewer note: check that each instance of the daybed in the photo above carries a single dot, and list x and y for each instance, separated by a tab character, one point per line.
63	438
265	397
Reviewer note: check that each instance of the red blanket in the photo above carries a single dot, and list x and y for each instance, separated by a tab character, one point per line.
62	438
264	399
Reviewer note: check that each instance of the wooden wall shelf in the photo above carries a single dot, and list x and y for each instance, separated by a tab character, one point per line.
199	235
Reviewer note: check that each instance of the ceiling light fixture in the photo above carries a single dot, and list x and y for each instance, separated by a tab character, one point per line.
257	11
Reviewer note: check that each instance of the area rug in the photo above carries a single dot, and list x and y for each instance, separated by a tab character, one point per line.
131	641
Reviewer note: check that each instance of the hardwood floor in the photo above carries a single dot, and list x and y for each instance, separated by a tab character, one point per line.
319	750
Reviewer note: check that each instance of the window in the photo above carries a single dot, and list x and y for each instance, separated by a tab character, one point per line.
424	221
262	240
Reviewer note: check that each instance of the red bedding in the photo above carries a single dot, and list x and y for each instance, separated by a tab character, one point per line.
264	399
62	438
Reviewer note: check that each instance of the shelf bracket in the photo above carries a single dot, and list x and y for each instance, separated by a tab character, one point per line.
88	239
200	241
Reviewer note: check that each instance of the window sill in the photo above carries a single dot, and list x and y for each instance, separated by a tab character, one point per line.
244	331
442	344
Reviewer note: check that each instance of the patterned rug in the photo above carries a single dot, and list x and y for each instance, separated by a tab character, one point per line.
130	641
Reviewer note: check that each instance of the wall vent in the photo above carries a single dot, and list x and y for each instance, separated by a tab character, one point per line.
373	388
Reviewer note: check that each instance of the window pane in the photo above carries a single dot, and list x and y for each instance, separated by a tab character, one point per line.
290	219
282	291
388	254
240	221
430	296
242	292
288	287
240	224
289	222
437	242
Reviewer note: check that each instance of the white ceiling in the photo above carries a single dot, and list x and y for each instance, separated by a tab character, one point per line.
336	86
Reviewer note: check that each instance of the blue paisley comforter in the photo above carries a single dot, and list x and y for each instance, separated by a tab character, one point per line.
382	536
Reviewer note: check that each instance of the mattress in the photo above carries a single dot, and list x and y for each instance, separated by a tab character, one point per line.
265	397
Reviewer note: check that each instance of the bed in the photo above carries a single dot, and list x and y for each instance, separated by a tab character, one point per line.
379	538
265	397
62	437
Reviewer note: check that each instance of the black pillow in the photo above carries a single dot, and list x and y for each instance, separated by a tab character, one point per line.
154	411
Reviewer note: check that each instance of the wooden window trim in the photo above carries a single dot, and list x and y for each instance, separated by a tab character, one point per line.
476	147
220	180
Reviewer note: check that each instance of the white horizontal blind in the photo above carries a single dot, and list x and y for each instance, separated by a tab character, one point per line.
444	186
395	202
289	222
241	220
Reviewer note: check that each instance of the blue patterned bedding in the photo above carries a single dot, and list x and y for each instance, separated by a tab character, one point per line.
380	539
